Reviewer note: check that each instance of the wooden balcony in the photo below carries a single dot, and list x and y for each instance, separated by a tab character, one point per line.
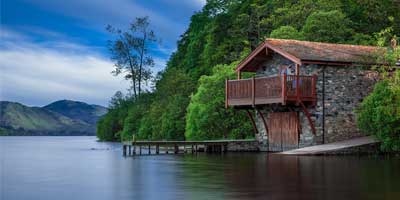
283	89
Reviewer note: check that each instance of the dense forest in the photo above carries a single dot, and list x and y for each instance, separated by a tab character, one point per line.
187	101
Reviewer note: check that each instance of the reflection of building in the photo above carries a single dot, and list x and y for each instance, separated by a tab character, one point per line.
304	92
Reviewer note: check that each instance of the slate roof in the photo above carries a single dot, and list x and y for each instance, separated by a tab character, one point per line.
305	52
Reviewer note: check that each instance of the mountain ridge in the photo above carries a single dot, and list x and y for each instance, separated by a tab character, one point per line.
63	117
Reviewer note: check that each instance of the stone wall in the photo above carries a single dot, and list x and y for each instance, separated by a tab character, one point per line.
345	87
243	146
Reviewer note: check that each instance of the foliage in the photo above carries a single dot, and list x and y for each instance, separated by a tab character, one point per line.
165	118
379	114
332	26
217	36
137	110
287	32
130	51
207	117
110	126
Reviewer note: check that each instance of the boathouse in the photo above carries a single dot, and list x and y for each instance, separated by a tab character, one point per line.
303	93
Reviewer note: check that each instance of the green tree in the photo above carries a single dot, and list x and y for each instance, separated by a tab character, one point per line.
207	117
130	51
331	26
136	112
165	118
286	32
379	113
110	126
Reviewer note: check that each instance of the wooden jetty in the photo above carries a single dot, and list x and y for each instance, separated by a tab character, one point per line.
131	148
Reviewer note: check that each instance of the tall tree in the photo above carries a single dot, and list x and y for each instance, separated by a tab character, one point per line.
130	52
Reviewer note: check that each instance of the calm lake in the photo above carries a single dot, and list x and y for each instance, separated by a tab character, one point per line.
74	168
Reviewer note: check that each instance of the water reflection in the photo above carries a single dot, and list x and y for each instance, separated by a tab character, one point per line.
81	168
262	176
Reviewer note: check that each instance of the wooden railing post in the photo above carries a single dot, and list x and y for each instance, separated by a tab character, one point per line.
226	93
314	89
253	91
298	95
284	89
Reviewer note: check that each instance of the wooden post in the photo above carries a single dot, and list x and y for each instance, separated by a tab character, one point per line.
134	149
239	75
253	91
313	89
298	82
129	150
284	89
176	150
140	149
157	149
192	149
226	93
149	149
124	150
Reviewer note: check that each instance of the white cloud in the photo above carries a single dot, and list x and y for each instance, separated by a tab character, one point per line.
37	75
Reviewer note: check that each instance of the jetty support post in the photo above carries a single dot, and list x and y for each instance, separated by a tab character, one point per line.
176	149
124	149
157	149
225	148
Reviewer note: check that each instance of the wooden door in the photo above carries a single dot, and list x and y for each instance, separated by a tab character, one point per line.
283	131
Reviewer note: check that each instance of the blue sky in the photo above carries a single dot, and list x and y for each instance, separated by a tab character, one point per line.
56	49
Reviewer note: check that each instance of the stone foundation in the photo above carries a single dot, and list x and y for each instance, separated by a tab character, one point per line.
243	146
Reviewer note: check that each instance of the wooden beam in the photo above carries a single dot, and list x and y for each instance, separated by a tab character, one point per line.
320	62
308	115
253	91
314	89
283	89
252	121
263	119
284	53
245	61
297	82
226	93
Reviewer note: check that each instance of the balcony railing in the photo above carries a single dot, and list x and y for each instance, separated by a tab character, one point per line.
267	90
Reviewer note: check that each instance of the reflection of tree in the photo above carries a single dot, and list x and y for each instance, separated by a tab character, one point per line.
262	176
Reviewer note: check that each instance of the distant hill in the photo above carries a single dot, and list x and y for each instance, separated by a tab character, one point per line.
78	110
59	118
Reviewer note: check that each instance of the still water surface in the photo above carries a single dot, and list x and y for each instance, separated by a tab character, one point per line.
74	168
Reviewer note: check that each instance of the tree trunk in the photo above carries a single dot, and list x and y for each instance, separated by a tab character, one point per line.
133	78
141	61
